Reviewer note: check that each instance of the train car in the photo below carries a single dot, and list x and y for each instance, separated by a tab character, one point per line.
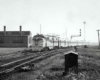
40	43
37	42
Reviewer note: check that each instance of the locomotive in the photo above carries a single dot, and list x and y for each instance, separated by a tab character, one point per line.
42	43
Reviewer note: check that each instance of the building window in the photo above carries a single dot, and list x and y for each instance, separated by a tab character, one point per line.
8	33
26	33
15	33
1	39
17	40
1	33
36	43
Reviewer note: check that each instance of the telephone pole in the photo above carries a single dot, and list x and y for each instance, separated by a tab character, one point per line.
98	37
84	32
58	42
53	38
40	28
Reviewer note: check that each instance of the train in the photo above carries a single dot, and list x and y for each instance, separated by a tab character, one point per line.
43	43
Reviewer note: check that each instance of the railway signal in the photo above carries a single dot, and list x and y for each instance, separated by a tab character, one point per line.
80	32
75	36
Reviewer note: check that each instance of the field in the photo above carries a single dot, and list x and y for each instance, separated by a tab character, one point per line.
8	53
4	51
53	67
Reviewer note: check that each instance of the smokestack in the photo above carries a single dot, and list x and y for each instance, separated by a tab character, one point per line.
20	30
4	30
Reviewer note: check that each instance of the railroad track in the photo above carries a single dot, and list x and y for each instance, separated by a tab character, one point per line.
15	65
8	67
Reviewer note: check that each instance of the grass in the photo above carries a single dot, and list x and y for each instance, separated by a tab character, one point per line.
4	51
89	67
53	67
8	53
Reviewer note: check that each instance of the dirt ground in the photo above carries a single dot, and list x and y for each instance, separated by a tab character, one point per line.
53	67
4	51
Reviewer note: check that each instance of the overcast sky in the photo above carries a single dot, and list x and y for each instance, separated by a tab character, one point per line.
55	16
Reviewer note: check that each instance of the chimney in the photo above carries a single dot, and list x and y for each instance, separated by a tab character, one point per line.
4	30
20	30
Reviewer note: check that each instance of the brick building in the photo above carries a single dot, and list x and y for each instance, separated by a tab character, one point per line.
15	38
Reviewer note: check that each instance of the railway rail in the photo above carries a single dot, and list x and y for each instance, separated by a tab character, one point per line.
5	68
15	65
23	55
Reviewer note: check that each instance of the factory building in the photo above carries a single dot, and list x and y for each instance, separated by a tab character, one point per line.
15	38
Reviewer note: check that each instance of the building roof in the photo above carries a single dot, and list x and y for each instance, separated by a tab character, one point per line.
71	52
14	33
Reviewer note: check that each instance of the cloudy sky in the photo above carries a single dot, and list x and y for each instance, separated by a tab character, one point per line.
62	17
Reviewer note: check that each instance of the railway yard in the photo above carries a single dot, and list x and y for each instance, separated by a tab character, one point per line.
49	65
49	40
11	63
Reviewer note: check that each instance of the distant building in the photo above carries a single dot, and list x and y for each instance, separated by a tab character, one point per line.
15	38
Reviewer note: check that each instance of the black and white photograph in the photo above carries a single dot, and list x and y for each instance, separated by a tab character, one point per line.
49	39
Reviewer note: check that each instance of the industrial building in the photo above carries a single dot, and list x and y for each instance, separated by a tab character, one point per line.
15	38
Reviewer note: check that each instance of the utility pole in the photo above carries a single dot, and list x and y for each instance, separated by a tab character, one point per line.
40	28
67	38
46	42
53	40
98	37
84	32
58	42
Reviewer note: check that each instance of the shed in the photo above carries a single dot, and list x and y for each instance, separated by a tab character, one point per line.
71	61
